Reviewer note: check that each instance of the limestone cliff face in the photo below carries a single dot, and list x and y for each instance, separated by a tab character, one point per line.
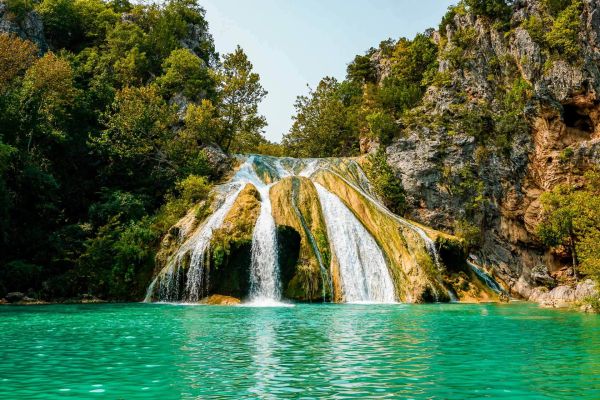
564	119
28	27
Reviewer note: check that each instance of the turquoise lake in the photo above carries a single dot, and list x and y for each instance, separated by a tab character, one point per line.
443	351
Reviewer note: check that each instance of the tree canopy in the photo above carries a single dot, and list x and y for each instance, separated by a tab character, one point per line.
103	136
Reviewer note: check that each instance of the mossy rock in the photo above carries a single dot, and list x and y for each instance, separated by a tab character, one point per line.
297	213
220	300
230	255
469	288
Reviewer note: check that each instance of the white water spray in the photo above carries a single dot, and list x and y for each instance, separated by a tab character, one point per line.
363	270
265	286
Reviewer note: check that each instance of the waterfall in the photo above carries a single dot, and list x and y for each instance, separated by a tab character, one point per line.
265	286
429	244
363	270
195	283
306	172
486	278
197	274
170	279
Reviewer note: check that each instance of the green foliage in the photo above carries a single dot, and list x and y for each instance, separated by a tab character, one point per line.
536	28
396	95
555	7
16	55
362	70
333	117
495	9
412	59
323	124
563	37
19	8
382	126
239	96
137	125
386	184
185	73
193	189
102	139
62	23
571	222
469	232
202	123
123	206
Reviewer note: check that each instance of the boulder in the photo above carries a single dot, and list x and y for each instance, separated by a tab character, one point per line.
219	162
14	297
220	300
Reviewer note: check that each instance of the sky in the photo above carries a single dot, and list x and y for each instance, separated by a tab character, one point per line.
295	43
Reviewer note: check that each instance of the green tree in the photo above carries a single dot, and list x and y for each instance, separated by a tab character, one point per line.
62	23
186	73
240	92
202	124
490	8
322	126
47	98
137	125
571	220
16	55
362	70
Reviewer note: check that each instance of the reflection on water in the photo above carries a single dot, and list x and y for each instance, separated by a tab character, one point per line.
308	351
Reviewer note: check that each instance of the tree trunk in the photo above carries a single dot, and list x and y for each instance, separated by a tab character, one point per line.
573	254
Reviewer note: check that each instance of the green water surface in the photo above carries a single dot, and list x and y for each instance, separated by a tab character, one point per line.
145	351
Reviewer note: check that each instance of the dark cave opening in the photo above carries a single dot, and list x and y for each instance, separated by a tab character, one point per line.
575	117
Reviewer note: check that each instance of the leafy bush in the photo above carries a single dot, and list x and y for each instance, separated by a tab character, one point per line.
469	232
556	6
382	126
571	221
500	9
185	73
193	189
563	37
385	182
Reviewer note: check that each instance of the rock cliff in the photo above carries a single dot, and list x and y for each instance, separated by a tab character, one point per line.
444	168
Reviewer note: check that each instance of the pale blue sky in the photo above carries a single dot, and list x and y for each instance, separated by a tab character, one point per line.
293	43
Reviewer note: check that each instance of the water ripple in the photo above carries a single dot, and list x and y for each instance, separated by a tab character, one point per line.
307	351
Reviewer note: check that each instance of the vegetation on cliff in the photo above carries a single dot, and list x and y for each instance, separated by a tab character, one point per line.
571	223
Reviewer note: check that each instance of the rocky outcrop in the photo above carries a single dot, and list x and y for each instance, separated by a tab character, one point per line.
220	163
433	159
564	295
29	26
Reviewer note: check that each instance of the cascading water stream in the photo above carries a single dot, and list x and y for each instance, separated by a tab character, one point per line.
325	276
363	270
429	243
265	286
170	279
485	277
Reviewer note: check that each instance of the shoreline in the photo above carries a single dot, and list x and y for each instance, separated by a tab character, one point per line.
574	307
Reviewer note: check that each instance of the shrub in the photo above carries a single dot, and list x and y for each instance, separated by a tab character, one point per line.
385	182
563	37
